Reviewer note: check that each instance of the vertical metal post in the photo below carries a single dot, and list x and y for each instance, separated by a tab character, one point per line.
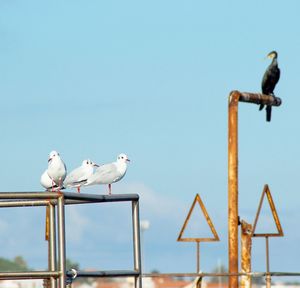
268	277
233	187
267	254
61	242
198	257
52	243
136	243
246	246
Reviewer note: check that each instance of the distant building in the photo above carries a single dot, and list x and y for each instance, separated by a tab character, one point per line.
32	283
128	282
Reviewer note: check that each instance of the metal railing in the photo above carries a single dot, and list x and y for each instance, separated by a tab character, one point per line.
56	274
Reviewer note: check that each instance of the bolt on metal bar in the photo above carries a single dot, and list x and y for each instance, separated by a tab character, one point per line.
61	241
136	243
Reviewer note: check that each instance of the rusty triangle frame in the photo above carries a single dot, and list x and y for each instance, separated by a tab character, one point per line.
209	222
266	191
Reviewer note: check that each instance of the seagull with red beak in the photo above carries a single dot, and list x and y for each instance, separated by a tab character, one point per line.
109	173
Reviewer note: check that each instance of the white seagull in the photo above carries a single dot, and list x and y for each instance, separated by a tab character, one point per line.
79	176
109	173
48	184
57	170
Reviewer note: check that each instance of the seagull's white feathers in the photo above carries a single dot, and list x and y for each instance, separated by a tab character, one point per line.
79	176
47	183
109	173
57	170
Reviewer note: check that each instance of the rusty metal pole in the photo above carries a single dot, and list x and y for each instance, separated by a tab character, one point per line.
268	277
233	188
233	217
246	246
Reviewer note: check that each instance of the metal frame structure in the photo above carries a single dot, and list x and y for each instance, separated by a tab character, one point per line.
59	199
56	272
233	217
266	191
208	220
198	239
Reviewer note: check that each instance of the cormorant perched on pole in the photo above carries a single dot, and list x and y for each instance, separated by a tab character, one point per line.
269	81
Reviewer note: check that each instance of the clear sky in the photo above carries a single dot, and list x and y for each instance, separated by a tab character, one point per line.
92	79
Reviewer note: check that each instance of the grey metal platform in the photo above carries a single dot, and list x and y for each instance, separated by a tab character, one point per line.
56	273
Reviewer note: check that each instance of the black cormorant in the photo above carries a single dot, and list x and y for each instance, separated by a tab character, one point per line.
269	81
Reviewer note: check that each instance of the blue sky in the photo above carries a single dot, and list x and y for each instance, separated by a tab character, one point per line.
92	79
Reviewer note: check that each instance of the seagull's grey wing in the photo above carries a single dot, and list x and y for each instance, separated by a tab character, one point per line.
75	176
104	174
106	170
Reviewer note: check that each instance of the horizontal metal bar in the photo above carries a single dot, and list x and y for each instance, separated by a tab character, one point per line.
28	275
113	273
30	203
101	198
129	273
253	274
258	98
23	203
267	235
30	195
70	198
197	240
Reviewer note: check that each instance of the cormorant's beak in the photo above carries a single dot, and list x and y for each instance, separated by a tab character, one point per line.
96	165
49	160
128	160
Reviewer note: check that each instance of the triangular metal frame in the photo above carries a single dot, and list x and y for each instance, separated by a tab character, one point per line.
266	191
209	222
